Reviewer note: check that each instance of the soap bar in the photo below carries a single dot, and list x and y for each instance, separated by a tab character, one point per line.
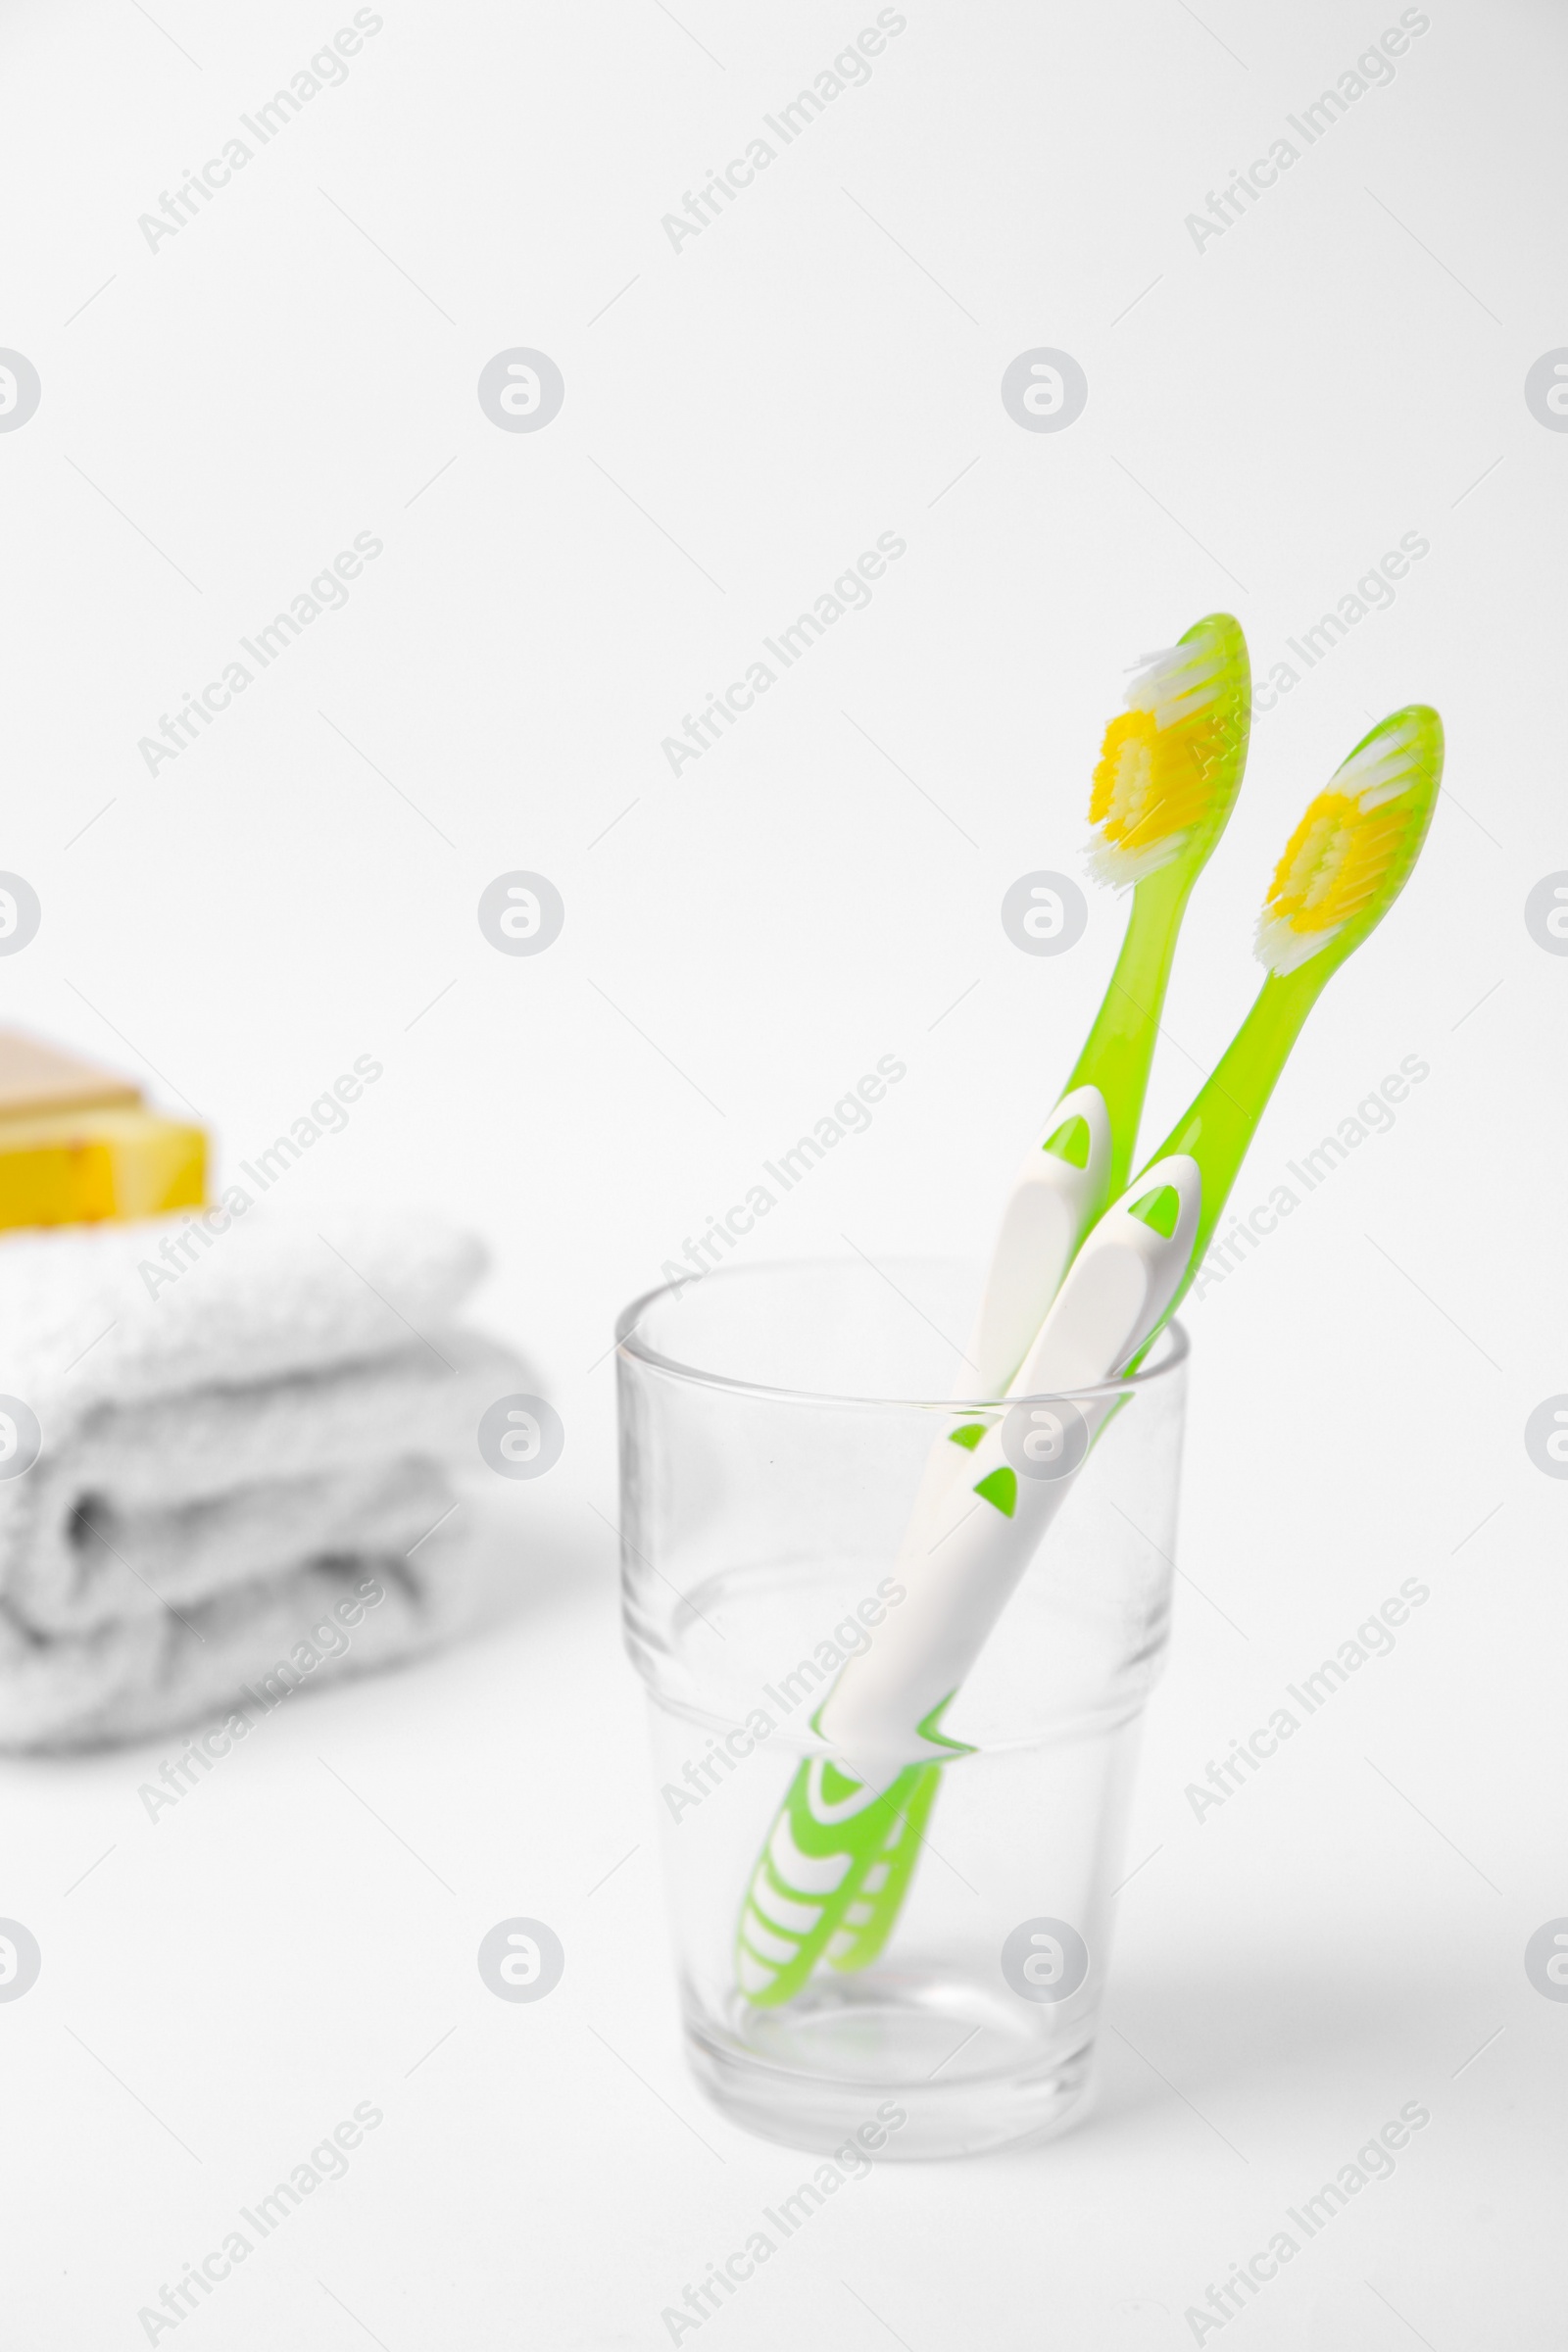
37	1079
74	1167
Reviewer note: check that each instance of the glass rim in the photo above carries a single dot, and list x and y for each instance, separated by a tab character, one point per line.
1173	1344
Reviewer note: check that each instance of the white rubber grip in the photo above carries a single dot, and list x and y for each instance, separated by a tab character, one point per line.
962	1564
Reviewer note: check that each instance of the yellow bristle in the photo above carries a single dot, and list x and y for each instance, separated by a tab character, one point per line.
1352	852
1149	781
1334	863
1166	756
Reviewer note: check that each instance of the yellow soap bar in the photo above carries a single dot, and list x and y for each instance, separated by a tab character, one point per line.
78	1166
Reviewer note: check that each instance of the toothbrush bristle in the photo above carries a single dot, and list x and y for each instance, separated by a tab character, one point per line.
1348	857
1170	760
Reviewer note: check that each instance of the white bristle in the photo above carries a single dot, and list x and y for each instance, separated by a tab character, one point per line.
1187	704
1174	684
1379	771
1286	951
1122	868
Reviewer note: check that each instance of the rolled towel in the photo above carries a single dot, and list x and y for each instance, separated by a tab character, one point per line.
242	1434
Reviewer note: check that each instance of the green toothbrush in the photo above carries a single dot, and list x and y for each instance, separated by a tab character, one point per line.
1167	777
1342	868
1168	774
1340	872
832	1877
1339	876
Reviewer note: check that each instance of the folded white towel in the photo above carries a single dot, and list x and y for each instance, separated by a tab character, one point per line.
228	1453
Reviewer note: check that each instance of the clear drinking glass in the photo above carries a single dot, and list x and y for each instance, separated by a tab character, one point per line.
774	1424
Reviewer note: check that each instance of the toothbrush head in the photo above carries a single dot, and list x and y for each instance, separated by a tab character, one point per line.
1352	852
1171	763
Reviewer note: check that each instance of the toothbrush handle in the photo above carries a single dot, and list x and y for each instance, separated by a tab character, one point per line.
1120	1046
1218	1128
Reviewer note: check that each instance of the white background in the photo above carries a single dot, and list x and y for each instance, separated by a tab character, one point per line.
1266	416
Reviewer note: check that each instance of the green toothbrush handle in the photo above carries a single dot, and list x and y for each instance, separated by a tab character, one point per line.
1120	1046
1223	1120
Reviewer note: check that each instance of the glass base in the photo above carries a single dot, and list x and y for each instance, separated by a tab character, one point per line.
968	2071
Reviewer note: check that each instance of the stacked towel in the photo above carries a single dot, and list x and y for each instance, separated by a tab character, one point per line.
244	1439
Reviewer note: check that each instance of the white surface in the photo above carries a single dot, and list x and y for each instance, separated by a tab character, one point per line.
1339	369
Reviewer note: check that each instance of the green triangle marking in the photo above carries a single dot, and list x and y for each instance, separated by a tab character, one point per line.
1159	1210
835	1785
927	1729
1000	1489
1070	1143
968	1437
